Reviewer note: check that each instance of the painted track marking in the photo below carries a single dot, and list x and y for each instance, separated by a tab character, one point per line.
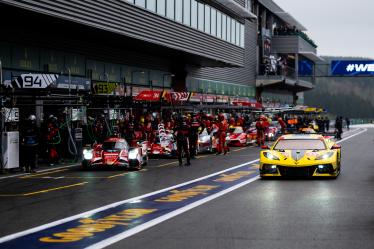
153	222
44	190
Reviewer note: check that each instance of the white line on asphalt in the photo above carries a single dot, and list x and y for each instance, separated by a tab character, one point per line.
168	216
150	223
39	171
346	138
89	213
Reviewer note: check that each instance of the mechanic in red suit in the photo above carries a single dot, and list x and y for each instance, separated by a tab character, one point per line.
222	130
261	125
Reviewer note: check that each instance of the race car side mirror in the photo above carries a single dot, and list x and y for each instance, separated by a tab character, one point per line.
336	147
265	147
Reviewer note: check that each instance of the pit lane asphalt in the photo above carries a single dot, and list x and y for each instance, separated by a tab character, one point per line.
36	199
208	226
281	213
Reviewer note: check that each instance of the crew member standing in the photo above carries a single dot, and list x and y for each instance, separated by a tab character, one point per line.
182	133
30	142
222	130
261	127
194	136
53	139
282	125
339	127
348	122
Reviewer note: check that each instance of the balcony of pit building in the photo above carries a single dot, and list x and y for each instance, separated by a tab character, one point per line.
287	56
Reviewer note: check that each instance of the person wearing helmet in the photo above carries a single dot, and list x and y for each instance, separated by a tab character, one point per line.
30	143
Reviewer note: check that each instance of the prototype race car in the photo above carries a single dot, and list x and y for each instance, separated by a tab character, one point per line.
164	143
115	152
308	155
272	131
237	137
205	143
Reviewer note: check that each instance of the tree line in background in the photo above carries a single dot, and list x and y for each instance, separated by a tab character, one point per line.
347	97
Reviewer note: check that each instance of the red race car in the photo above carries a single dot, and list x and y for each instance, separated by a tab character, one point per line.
237	137
164	145
116	152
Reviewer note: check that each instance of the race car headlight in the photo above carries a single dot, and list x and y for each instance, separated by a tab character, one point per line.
87	154
270	156
325	156
133	154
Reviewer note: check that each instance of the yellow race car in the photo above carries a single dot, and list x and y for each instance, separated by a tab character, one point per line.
308	155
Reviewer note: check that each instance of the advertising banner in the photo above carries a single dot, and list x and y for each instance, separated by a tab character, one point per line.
196	97
32	81
108	88
149	95
177	96
76	83
44	81
352	68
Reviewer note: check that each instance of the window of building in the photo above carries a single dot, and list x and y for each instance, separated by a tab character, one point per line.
151	5
219	24
113	72
200	16
207	19
96	70
224	27
179	10
213	22
242	36
237	33
140	3
248	5
140	76
170	9
161	7
187	12
228	29
194	14
233	27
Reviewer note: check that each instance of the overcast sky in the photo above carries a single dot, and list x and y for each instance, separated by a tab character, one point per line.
339	27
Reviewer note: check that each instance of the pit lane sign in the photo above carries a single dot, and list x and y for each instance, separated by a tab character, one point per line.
44	81
108	88
36	81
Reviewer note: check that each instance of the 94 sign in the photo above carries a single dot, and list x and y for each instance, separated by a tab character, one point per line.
39	81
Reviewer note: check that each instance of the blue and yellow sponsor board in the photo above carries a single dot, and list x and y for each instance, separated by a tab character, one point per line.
89	230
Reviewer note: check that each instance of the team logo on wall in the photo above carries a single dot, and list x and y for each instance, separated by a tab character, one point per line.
39	81
177	96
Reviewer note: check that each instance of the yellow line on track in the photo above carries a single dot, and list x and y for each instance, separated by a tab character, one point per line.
41	174
240	149
45	190
113	176
166	164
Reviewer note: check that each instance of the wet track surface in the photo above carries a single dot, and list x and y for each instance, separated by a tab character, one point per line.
260	214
